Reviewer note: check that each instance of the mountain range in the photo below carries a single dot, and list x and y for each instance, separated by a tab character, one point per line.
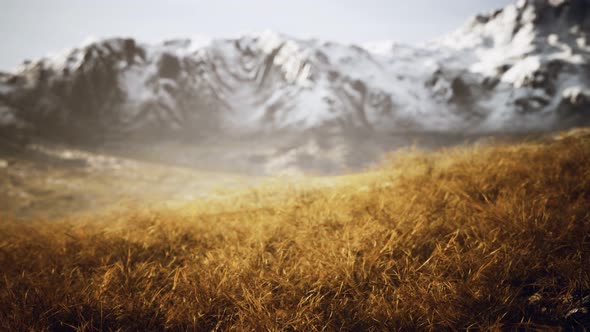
522	68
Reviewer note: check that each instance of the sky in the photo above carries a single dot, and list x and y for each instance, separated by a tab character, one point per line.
30	29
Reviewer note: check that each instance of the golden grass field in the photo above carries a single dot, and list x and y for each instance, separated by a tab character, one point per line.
485	238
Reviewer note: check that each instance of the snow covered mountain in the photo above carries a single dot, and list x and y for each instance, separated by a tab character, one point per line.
524	67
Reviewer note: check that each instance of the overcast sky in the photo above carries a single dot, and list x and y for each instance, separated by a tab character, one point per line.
33	28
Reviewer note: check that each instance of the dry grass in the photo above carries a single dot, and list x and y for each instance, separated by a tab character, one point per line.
41	182
494	238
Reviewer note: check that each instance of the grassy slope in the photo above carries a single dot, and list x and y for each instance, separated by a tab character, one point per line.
42	184
490	238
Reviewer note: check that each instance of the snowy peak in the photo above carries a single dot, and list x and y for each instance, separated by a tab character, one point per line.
528	24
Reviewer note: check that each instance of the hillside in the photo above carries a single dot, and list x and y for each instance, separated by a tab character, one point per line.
50	181
490	238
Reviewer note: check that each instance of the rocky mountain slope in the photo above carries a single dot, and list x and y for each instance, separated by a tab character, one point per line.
521	68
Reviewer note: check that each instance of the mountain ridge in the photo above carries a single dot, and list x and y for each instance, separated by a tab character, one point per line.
520	68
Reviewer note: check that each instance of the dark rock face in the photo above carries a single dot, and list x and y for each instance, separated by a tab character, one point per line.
461	91
573	11
574	109
169	66
554	15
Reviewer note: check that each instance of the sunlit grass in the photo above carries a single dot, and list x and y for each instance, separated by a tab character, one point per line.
478	237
